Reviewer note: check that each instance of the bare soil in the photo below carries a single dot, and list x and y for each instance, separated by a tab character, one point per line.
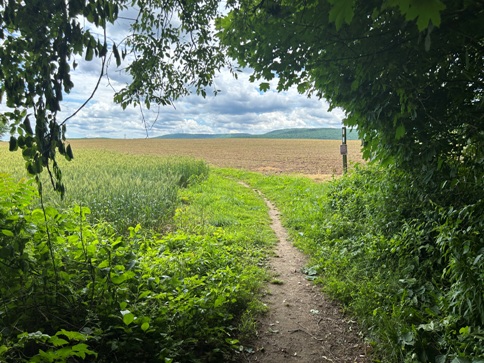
301	325
318	159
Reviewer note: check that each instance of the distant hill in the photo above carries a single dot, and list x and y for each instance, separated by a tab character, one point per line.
205	136
313	133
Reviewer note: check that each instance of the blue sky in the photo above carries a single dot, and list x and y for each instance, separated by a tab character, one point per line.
239	107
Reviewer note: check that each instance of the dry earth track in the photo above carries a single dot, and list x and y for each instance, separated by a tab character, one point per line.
301	324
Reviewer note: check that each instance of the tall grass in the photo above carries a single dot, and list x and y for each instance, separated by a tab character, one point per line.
122	189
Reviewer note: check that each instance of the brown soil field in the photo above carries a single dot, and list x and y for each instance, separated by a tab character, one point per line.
318	159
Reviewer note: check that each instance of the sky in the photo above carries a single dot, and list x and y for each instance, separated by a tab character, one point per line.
240	107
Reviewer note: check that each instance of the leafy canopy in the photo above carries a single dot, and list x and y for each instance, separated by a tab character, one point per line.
409	74
170	52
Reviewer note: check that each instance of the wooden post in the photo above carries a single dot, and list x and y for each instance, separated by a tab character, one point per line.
344	150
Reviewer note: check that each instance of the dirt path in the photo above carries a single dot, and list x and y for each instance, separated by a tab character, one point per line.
301	325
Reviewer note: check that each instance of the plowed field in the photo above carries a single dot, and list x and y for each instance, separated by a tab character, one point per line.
319	159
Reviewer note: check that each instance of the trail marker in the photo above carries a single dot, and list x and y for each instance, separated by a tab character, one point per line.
344	150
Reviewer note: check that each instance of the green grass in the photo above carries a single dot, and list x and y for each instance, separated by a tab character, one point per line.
409	269
90	290
298	198
374	245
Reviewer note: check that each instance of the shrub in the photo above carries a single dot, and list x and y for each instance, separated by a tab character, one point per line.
73	289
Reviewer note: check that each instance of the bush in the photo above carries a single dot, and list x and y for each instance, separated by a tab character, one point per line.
71	289
411	269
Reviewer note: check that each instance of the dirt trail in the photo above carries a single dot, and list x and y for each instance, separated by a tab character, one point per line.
301	325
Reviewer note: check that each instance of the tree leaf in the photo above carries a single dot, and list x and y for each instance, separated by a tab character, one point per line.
425	11
341	12
116	55
13	145
399	132
57	342
128	318
264	86
7	233
89	52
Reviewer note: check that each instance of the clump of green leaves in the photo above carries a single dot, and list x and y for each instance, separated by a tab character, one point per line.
73	289
387	64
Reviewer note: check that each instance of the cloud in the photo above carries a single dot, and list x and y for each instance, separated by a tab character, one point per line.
239	107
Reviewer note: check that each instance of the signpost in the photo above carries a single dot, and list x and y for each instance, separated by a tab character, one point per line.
344	150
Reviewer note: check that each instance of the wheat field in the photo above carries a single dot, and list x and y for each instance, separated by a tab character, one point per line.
318	159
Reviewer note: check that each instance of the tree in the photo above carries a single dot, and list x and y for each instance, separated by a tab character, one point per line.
3	125
170	52
408	73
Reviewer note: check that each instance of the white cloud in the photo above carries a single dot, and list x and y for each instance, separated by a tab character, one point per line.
240	107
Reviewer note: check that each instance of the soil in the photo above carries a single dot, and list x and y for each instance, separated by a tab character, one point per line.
317	159
301	325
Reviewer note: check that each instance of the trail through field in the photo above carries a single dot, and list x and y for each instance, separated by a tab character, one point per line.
301	324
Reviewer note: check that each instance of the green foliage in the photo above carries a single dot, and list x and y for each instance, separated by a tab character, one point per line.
408	73
409	268
401	246
157	41
413	91
71	289
38	41
41	44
